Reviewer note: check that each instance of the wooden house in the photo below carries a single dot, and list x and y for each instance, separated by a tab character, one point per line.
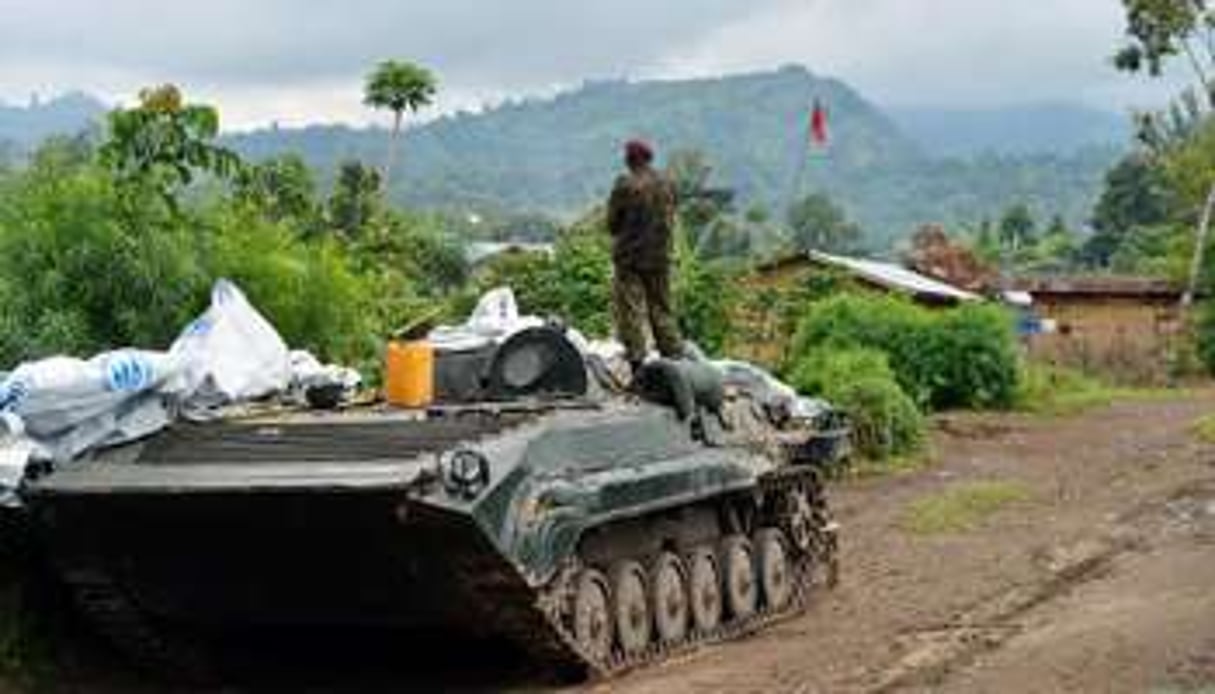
1122	327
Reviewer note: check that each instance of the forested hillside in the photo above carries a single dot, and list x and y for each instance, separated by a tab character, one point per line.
559	155
23	127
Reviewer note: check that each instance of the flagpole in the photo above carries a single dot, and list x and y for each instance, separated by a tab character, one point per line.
814	134
799	167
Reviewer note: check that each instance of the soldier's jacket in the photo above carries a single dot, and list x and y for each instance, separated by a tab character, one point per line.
641	213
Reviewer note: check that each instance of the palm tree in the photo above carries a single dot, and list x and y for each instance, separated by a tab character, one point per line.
398	86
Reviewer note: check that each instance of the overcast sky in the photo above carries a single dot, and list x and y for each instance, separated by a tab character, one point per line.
298	61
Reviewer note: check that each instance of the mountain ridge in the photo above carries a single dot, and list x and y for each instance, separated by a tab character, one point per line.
558	154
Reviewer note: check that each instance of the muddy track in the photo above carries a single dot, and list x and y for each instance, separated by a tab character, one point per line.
1092	583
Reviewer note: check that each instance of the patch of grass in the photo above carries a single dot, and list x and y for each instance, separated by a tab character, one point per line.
962	507
865	468
1204	429
1052	391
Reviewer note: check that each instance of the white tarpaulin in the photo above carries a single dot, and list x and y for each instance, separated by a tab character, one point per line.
60	408
495	319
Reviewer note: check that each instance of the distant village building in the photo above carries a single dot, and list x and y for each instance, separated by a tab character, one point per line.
477	253
775	294
1121	327
935	254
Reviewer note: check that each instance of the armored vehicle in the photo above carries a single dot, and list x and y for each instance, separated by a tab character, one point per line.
598	532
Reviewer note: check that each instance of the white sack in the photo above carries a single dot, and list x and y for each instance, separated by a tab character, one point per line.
495	319
230	353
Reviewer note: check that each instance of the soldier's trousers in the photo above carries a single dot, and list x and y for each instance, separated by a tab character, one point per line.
636	297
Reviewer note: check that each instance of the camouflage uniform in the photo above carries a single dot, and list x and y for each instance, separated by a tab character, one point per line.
641	214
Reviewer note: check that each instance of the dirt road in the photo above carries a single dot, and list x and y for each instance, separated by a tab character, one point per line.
1099	575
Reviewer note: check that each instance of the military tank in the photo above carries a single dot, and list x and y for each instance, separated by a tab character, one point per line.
599	532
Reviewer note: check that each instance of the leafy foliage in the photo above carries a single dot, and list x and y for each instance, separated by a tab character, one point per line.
1017	227
281	188
703	297
824	371
1135	197
818	223
165	142
885	421
1158	30
97	251
574	284
962	357
86	270
398	86
357	200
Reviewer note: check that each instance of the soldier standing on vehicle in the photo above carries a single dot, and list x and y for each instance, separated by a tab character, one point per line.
641	215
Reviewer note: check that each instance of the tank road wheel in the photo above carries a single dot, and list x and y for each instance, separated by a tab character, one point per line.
670	598
704	589
631	608
775	571
738	577
592	616
799	519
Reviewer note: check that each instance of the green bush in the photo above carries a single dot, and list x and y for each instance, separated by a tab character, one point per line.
950	358
975	348
885	422
860	381
824	371
702	304
1206	334
305	289
86	266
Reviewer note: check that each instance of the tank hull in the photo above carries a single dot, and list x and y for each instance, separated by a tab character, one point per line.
221	559
485	525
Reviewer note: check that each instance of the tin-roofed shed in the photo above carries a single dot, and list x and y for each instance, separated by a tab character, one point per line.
764	329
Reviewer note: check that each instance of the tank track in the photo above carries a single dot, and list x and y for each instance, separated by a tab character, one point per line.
557	648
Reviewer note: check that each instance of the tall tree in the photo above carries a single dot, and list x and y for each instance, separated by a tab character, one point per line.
1017	227
356	200
705	211
1135	196
818	223
398	86
1158	30
165	142
281	187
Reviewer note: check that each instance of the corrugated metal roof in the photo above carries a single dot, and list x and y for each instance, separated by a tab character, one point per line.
478	251
1107	285
896	277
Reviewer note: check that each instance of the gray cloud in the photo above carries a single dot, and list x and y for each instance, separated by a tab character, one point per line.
956	52
282	42
265	59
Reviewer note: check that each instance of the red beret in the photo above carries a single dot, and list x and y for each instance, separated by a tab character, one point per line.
638	151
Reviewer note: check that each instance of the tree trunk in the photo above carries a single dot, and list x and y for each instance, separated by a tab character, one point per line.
1196	262
393	141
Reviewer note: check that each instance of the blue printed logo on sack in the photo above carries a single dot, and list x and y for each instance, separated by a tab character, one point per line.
12	393
128	372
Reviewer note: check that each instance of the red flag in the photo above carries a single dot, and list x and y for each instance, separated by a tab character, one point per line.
818	124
